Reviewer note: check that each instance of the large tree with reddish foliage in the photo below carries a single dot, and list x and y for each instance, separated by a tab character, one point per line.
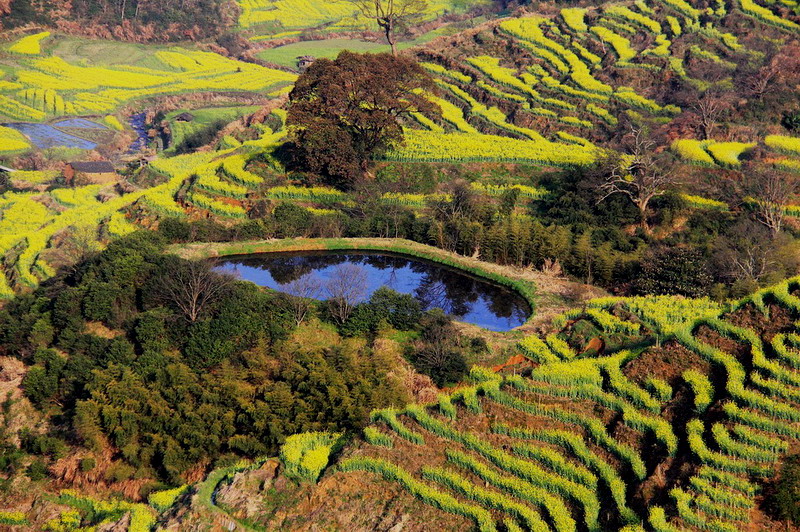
345	112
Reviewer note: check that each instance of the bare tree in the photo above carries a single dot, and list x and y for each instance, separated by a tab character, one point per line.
304	289
779	73
391	14
745	252
347	286
764	80
769	191
709	109
641	175
193	286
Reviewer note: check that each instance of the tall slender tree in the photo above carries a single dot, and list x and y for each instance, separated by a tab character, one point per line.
391	15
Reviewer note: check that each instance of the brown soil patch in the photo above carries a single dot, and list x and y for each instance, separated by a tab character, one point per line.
666	362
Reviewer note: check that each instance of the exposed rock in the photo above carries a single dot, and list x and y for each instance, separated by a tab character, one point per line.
119	526
240	493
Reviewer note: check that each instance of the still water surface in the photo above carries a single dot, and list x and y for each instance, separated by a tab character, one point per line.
467	298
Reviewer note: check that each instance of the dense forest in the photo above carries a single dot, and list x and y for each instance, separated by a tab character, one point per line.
133	20
123	353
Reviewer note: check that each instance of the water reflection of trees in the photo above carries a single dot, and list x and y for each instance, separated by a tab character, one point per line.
452	291
285	269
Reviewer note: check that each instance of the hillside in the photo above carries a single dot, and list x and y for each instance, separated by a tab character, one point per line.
680	426
532	266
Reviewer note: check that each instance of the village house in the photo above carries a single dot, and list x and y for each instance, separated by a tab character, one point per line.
305	61
90	173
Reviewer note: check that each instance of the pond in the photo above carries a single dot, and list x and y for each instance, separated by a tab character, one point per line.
467	298
45	136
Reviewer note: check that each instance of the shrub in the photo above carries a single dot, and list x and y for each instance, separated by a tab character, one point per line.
305	456
37	470
376	437
87	464
165	499
674	270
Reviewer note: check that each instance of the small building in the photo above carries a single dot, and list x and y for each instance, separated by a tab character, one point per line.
305	61
184	117
90	173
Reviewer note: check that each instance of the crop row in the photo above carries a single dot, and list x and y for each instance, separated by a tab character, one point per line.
461	485
424	492
30	44
376	437
529	29
622	386
631	416
720	495
389	417
555	508
766	16
575	445
595	428
633	17
694	435
732	447
507	462
12	140
552	458
735	375
216	206
728	480
463	147
702	389
684	500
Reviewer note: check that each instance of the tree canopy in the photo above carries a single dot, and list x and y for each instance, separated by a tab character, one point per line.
347	111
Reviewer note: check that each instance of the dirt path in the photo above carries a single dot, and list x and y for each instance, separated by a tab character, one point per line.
549	295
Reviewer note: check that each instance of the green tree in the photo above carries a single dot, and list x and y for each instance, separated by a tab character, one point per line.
438	354
784	499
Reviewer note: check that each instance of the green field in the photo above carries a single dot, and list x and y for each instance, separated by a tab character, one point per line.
99	52
204	118
279	17
287	55
329	48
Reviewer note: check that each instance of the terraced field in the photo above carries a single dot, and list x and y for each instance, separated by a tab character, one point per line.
38	86
30	220
571	78
676	428
270	19
553	95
